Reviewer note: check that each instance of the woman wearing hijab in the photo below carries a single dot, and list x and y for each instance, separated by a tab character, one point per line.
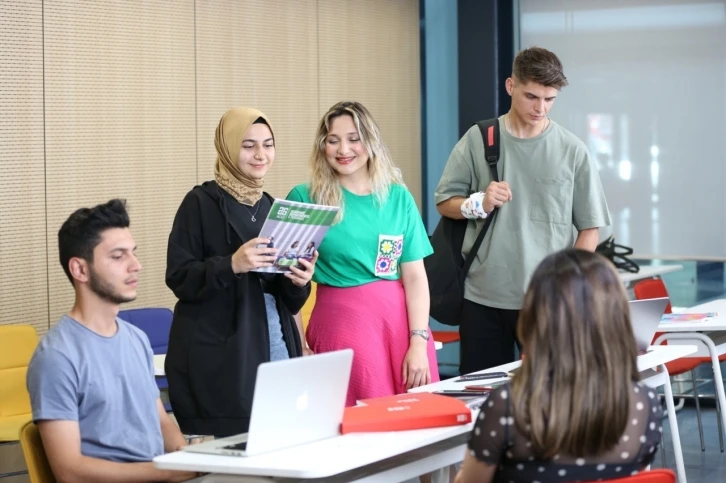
228	319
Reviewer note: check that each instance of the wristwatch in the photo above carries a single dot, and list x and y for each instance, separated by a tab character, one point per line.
420	332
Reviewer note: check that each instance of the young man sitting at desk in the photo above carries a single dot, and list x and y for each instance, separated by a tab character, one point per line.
91	378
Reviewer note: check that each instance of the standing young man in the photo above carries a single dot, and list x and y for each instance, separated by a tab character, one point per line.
549	184
91	378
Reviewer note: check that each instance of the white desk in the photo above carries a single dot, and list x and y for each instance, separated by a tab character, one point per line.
160	358
332	456
710	340
651	360
648	271
408	453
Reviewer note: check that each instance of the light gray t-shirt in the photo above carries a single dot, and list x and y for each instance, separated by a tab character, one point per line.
555	185
105	383
278	348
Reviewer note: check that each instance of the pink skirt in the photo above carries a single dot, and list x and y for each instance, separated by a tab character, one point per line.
372	320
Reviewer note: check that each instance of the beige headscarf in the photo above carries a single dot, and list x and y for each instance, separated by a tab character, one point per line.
228	141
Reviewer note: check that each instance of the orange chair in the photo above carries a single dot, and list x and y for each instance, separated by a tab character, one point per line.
652	476
655	288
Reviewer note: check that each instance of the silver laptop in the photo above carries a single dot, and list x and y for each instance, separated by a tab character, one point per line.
296	401
645	316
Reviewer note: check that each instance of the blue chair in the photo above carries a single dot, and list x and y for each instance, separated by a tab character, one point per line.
156	324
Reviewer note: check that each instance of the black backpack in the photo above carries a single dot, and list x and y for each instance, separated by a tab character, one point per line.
618	255
446	268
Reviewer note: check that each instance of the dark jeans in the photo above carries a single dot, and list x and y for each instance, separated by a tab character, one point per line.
488	336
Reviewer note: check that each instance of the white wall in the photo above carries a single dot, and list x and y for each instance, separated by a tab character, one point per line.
648	95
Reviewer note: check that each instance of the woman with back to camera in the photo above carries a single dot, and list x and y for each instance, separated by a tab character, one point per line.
575	410
372	294
228	319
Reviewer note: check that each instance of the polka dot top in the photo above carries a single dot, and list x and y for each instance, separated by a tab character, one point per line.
496	440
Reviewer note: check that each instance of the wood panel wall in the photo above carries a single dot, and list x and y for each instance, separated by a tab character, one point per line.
104	99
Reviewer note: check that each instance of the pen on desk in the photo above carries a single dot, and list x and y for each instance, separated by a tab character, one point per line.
478	377
479	388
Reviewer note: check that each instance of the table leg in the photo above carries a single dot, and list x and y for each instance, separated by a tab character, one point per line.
441	475
717	378
678	453
662	378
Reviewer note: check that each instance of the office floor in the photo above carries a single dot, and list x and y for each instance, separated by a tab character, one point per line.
701	466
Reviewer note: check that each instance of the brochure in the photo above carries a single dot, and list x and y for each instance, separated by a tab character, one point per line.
296	230
678	317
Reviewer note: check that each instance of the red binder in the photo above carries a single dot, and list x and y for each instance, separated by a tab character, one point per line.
404	412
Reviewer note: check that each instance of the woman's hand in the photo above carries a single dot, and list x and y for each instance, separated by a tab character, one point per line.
302	277
248	256
416	371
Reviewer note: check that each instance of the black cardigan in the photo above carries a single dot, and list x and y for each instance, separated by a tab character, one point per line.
219	334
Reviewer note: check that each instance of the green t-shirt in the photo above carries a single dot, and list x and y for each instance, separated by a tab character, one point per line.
555	185
371	241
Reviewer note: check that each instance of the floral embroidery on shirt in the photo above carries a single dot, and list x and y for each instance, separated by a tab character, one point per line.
390	248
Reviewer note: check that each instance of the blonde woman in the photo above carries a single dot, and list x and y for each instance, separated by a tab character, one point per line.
372	293
575	410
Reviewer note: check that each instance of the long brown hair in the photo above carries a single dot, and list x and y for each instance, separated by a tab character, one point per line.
572	393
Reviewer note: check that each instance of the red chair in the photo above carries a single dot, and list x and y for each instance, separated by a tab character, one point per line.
652	476
655	288
446	336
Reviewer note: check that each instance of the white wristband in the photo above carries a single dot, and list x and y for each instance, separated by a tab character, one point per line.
473	207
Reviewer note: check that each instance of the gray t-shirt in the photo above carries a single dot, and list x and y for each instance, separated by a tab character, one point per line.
278	348
105	383
555	185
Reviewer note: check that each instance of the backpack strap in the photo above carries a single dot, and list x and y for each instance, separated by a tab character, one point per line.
490	135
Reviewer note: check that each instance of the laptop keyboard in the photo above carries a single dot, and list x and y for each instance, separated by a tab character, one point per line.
238	446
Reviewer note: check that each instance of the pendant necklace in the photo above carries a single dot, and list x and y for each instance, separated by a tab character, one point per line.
252	215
